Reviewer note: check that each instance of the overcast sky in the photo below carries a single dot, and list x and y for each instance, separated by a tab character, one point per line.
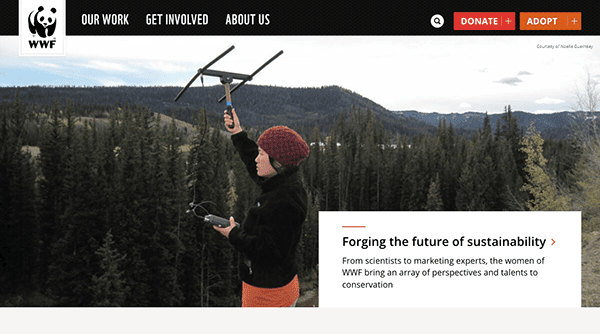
425	73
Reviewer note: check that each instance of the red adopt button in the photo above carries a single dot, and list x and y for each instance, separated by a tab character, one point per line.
484	21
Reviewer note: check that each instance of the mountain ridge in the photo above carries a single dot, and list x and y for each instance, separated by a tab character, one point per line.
264	106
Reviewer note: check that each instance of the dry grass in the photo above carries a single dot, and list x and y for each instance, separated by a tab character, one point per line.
33	150
590	269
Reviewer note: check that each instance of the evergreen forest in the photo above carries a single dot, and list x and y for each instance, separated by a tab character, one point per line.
94	211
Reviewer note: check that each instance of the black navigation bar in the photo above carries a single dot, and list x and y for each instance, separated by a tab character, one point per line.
112	17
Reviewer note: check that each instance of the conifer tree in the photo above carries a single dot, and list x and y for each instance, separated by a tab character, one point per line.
176	192
210	182
313	164
474	188
510	131
544	195
18	219
52	190
395	184
586	194
72	264
448	164
434	199
330	186
586	191
419	170
131	218
344	161
160	217
310	235
466	192
110	289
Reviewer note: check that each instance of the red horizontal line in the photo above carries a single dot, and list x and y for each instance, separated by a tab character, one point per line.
353	226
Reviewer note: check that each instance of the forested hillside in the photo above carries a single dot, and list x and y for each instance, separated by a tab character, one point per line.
557	125
257	106
299	108
99	218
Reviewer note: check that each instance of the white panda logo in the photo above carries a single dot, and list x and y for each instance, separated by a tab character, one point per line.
43	22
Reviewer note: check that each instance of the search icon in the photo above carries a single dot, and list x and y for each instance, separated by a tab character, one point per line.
437	21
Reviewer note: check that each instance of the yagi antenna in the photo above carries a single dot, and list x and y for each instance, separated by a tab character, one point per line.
226	78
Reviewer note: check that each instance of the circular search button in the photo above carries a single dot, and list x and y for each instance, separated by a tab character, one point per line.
437	21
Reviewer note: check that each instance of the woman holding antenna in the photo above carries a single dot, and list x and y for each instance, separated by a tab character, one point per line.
268	238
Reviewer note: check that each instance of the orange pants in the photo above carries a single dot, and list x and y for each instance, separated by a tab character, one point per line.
285	296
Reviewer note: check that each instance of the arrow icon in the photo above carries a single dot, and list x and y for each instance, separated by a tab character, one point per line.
553	242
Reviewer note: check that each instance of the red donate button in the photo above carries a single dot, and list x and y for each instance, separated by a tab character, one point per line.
484	21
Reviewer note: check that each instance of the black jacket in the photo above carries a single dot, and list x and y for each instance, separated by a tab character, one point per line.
268	237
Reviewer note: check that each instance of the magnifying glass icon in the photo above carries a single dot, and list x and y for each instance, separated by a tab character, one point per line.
437	21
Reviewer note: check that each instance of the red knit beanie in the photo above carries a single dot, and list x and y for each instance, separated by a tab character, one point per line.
284	145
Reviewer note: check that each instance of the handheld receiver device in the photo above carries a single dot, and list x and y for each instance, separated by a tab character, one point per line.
218	221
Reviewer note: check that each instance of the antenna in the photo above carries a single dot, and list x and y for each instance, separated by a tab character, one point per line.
226	78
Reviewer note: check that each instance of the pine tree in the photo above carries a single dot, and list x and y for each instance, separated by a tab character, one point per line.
329	191
448	165
110	289
176	193
419	171
72	264
586	191
312	166
52	191
510	131
344	160
18	219
129	217
466	194
434	199
310	236
544	195
210	180
394	184
165	196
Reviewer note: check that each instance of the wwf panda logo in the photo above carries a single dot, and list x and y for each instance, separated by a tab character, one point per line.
43	22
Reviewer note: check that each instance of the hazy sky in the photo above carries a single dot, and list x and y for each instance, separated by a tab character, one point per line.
424	73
